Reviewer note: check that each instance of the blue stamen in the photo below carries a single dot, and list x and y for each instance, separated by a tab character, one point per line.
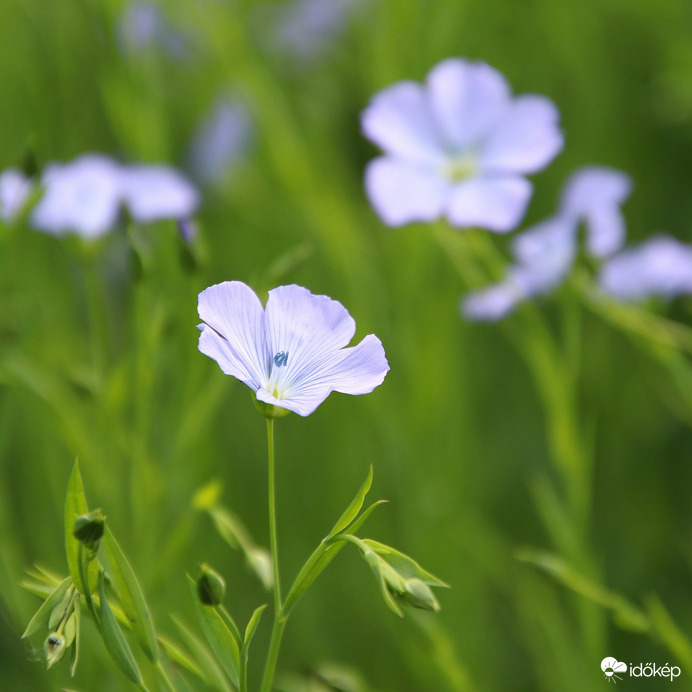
281	358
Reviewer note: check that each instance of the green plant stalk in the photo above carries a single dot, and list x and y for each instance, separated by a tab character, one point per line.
279	617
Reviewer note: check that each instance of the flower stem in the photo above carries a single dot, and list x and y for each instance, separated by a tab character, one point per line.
279	618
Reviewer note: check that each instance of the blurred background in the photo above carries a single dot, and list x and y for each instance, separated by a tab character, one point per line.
258	103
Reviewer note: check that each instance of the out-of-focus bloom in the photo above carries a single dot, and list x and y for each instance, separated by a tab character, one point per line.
661	266
221	141
142	26
457	146
83	196
291	353
545	253
306	28
153	193
15	189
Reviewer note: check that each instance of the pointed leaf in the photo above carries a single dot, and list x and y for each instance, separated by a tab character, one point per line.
251	629
177	655
352	510
115	641
218	635
131	596
208	663
76	506
42	615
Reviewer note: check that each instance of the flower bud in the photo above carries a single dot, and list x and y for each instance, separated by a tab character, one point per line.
54	648
419	595
88	530
211	586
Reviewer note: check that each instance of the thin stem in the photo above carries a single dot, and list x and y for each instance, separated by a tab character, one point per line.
279	617
163	675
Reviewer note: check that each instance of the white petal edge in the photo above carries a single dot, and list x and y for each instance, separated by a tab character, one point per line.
497	203
403	193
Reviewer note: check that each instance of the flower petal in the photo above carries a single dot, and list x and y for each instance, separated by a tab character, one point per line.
497	203
402	192
237	341
82	196
305	328
526	139
153	193
400	121
661	266
492	303
467	98
356	370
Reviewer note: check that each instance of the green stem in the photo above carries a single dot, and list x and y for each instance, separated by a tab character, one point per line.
279	617
163	675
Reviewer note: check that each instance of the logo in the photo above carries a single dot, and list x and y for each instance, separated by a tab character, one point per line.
611	667
615	670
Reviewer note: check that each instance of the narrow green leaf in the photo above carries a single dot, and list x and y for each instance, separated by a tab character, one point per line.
76	506
131	597
352	510
669	631
208	663
78	630
42	615
115	641
251	629
183	659
58	612
219	636
405	566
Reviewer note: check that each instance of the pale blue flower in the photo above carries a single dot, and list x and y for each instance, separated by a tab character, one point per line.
458	146
82	196
292	352
661	266
220	141
86	195
15	189
142	26
545	254
154	193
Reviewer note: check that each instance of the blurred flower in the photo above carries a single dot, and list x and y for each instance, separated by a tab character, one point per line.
142	26
292	352
457	146
85	195
546	253
306	28
220	141
661	266
15	189
82	196
153	193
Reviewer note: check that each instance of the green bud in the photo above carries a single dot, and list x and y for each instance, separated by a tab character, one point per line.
211	586
54	648
88	529
269	410
419	595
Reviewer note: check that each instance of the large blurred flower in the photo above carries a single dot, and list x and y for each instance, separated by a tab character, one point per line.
292	353
457	146
546	253
662	266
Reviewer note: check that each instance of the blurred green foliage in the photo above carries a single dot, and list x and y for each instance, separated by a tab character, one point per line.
98	355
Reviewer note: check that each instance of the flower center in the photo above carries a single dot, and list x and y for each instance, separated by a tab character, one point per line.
460	166
281	359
